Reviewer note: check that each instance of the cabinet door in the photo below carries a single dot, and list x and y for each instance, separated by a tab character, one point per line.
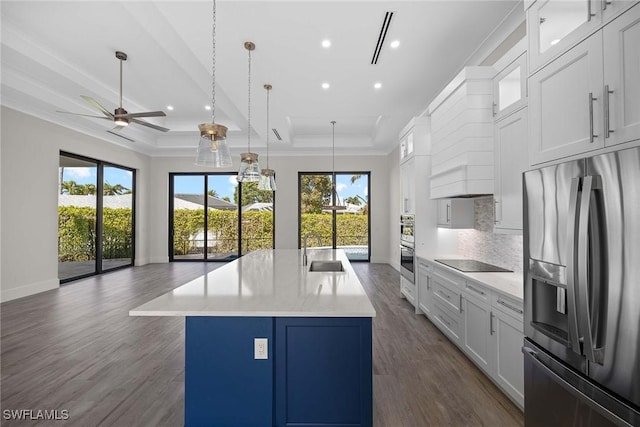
425	294
610	8
444	212
478	333
509	88
622	78
510	149
565	104
407	184
509	368
554	26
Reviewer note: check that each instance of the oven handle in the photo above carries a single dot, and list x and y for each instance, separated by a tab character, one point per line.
409	248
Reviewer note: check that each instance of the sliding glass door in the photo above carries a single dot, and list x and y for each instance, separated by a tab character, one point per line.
346	229
96	212
213	218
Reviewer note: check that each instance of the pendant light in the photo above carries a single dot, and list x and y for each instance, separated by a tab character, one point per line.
213	150
268	179
337	204
249	167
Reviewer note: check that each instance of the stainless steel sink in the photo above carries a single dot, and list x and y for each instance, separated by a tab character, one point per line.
326	266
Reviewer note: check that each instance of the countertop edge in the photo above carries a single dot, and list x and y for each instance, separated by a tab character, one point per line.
183	313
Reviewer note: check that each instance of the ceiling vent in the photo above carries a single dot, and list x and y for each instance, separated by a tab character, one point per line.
383	34
275	132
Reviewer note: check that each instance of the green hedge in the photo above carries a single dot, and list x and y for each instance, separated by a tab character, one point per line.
76	231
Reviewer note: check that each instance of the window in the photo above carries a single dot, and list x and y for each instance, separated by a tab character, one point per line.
96	212
347	229
231	220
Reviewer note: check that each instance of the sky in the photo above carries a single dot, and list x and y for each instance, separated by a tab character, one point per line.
224	185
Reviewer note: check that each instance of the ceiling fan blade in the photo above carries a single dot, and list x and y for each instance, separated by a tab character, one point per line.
121	136
83	115
97	105
147	114
152	126
117	128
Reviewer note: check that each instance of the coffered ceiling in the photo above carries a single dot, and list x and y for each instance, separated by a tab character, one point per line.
53	52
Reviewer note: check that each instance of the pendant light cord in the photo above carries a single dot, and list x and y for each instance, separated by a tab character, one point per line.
268	90
213	66
333	146
249	107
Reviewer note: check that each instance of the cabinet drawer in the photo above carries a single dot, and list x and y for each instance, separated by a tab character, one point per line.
408	289
447	292
448	324
508	306
455	279
477	291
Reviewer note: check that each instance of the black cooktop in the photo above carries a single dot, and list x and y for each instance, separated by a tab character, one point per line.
472	266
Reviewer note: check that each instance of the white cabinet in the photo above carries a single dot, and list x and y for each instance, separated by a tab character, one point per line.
478	334
484	323
621	92
415	138
425	292
408	289
564	100
509	362
509	88
456	213
510	139
407	184
553	26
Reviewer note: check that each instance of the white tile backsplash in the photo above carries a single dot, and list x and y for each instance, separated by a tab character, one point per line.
482	244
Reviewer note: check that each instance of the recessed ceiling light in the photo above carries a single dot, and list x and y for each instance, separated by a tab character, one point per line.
207	107
394	44
326	43
377	85
170	107
325	85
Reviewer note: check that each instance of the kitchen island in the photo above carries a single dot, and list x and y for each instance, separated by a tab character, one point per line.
269	342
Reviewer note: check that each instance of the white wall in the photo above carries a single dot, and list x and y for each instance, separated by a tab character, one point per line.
29	218
287	168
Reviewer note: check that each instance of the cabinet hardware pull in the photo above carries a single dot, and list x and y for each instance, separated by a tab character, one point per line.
589	14
448	213
461	310
605	3
510	307
495	211
478	291
493	109
491	323
607	121
591	99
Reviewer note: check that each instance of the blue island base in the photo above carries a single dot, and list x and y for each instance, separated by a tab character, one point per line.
318	372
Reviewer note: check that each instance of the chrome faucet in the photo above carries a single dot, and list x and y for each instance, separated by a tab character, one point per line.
304	252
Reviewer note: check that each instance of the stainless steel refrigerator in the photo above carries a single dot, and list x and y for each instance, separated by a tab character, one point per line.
582	292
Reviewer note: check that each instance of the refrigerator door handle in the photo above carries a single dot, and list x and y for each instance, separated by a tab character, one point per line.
589	184
572	249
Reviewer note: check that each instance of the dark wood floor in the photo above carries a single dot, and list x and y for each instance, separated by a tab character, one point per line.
76	348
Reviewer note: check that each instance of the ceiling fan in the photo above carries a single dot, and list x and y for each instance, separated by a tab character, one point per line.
120	116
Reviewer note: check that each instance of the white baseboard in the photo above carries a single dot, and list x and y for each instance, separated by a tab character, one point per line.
30	289
159	260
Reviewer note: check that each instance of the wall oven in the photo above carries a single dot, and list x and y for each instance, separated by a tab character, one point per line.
407	255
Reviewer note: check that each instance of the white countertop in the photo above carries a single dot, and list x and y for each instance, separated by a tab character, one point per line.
511	284
270	283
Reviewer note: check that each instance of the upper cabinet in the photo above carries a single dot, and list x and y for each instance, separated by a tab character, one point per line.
407	186
589	97
621	91
554	26
462	135
415	139
509	88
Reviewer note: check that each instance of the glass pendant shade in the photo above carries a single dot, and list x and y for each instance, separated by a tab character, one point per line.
268	180
249	168
213	150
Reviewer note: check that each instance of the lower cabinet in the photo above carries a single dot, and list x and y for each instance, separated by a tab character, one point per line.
486	324
408	289
318	372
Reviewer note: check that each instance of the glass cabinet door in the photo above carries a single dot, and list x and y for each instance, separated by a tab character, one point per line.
555	25
509	88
